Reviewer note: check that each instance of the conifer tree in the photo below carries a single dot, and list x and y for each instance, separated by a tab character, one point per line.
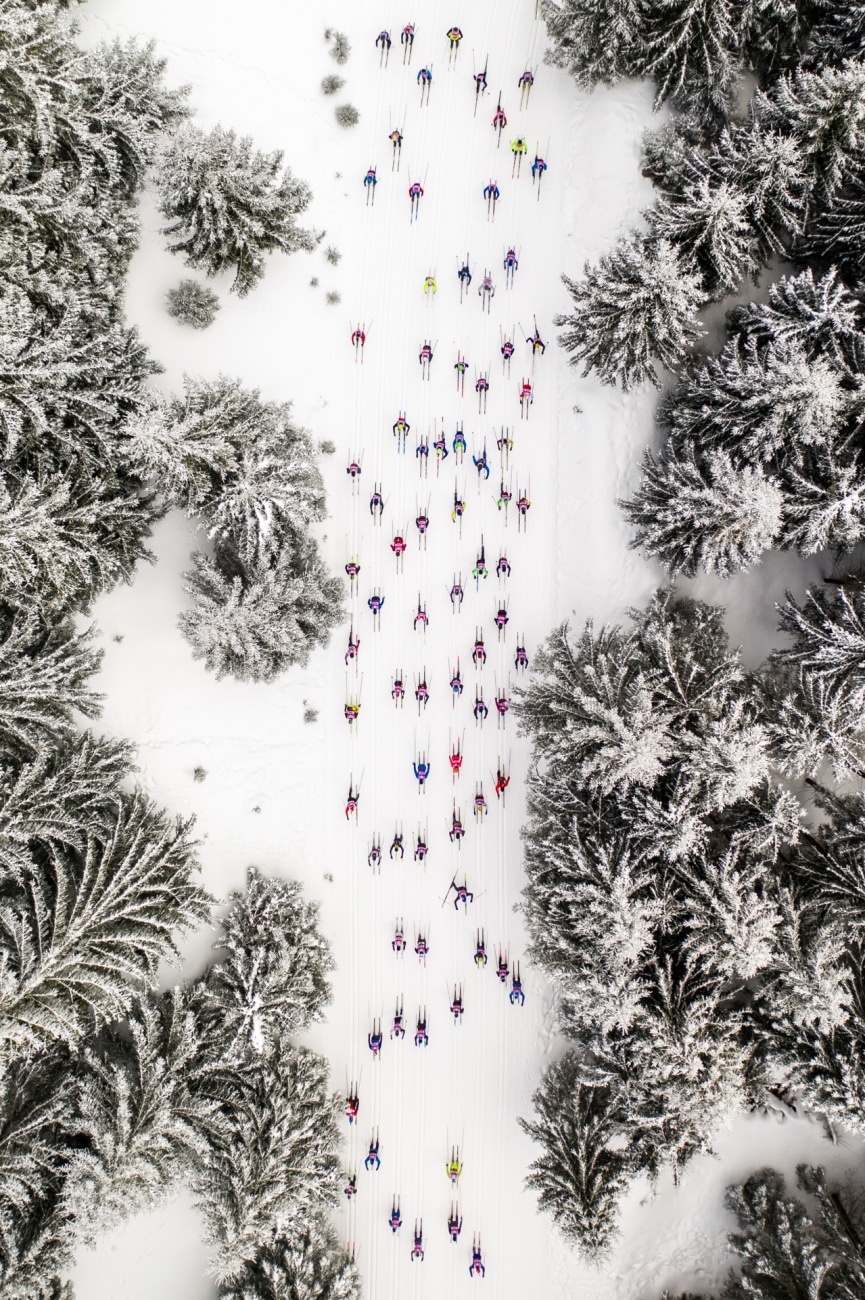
228	205
596	40
636	307
816	313
308	1264
828	631
825	113
691	53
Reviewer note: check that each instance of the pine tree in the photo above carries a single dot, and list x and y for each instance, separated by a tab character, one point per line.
825	113
44	676
836	231
828	631
691	51
580	1175
838	33
81	930
815	313
637	306
774	33
308	1264
142	1125
193	304
709	224
228	205
694	511
271	979
596	40
732	928
808	726
253	619
275	1163
824	505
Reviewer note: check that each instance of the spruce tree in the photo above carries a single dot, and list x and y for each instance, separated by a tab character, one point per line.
816	313
228	205
596	40
825	114
691	48
307	1264
636	307
828	630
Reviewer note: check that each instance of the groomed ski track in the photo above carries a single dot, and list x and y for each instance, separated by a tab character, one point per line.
275	788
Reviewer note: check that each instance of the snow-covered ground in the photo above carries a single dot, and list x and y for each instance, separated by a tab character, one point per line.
275	786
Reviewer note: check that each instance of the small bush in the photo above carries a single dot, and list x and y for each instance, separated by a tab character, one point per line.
313	282
327	446
347	115
193	304
199	773
310	715
328	33
333	298
333	255
330	85
340	49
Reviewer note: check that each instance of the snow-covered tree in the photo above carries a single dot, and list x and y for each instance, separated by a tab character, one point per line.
270	979
694	511
255	619
44	678
824	502
836	232
309	1264
582	1171
733	927
808	726
637	306
691	49
828	630
275	1162
825	113
596	40
142	1125
816	313
193	304
228	205
838	32
709	225
81	930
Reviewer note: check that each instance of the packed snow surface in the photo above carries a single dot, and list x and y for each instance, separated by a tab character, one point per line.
276	786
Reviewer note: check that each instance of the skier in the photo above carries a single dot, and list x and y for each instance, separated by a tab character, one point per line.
454	36
457	830
501	619
398	690
538	167
398	1028
503	569
480	570
459	443
401	427
480	710
477	1267
516	994
372	1160
502	970
457	1009
395	1220
523	504
351	802
352	568
487	286
456	760
352	709
421	615
350	1188
505	443
421	693
479	653
352	1106
398	940
376	603
354	470
395	138
538	344
430	283
518	146
499	121
421	948
492	191
374	855
480	806
417	1247
421	849
455	1224
396	846
457	594
461	367
407	35
422	523
421	1037
454	1167
480	464
521	658
425	355
507	351
374	1040
383	39
421	453
502	783
376	503
398	546
482	386
456	683
459	508
511	263
502	705
424	77
464	275
504	497
526	80
358	338
462	894
415	194
526	391
480	958
440	447
353	646
370	180
421	771
480	79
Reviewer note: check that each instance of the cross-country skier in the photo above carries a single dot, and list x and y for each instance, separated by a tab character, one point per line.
398	690
501	619
421	1037
507	349
454	1166
487	286
480	710
350	1188
372	1160
518	147
504	497
538	344
358	338
417	1247
421	947
421	615
482	384
401	427
395	138
521	658
396	846
499	121
464	275
457	594
454	36
456	683
422	523
502	969
353	647
398	545
511	263
462	894
376	503
480	464
480	805
395	1220
354	470
480	79
421	771
351	802
370	180
459	443
457	1008
352	1106
480	957
421	849
459	507
407	35
502	783
461	367
479	653
502	705
376	603
398	941
492	191
456	760
455	1224
430	283
526	391
527	79
503	569
424	77
421	451
538	167
415	193
523	504
425	355
398	1028
440	447
421	693
383	39
352	710
457	830
374	1040
374	855
516	994
477	1267
352	568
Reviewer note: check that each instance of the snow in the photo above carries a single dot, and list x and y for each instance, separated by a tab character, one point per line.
275	787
